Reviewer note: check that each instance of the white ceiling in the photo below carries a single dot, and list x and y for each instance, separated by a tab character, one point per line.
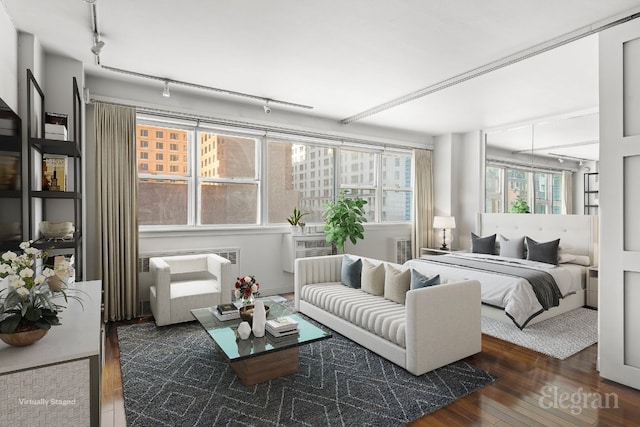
345	56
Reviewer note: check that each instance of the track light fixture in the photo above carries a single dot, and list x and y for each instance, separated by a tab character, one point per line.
98	44
267	109
166	92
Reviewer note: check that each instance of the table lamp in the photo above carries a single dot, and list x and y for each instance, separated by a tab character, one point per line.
444	222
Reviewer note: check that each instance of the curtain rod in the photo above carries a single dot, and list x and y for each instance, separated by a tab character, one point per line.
254	126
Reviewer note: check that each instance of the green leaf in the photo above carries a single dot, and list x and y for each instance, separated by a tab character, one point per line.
33	314
43	324
9	324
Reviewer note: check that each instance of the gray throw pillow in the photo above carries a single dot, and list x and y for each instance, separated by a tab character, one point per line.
419	280
543	252
351	272
483	245
512	248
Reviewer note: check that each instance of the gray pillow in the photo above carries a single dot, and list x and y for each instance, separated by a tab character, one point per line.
351	272
419	280
543	252
512	248
483	245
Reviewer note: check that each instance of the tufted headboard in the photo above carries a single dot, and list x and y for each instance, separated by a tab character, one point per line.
579	232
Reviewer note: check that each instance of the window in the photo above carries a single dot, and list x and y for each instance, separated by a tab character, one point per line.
144	132
218	178
286	188
159	134
144	144
542	190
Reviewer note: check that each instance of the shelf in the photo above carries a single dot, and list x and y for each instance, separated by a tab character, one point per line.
55	146
56	194
43	243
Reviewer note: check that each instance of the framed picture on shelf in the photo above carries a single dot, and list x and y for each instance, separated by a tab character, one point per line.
54	173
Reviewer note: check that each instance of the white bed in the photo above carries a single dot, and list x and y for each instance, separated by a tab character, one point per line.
502	294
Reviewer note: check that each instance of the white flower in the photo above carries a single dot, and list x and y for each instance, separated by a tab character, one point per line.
247	279
32	251
9	256
22	291
26	272
236	293
16	282
6	269
254	288
47	272
39	280
25	245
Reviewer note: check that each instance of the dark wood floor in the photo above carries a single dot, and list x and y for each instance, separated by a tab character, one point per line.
532	390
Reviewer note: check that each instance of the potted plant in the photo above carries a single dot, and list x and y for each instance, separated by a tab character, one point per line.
297	226
27	292
343	220
520	206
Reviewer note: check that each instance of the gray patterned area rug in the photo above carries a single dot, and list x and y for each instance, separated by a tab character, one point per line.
173	376
560	337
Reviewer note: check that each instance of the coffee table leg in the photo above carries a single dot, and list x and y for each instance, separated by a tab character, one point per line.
268	366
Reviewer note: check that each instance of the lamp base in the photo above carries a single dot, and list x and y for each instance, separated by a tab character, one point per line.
444	248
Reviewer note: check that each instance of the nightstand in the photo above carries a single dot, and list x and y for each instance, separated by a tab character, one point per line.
431	251
592	287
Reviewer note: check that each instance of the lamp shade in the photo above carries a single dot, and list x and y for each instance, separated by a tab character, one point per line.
444	222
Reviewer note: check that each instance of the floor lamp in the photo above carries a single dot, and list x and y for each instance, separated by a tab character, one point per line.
444	222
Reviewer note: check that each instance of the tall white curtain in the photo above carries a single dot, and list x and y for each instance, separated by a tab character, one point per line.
117	210
422	230
567	192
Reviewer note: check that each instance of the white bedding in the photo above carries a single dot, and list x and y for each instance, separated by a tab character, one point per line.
515	295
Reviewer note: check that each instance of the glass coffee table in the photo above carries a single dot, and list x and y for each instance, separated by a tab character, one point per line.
256	360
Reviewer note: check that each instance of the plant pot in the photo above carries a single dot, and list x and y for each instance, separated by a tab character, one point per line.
21	339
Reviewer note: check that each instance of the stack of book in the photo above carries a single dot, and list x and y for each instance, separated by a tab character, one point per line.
225	311
282	326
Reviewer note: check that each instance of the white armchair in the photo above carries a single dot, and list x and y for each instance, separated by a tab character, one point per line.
185	282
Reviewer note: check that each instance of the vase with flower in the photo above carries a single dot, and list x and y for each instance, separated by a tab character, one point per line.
247	289
28	290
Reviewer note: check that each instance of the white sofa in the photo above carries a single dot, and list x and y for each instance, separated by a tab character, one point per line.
436	326
185	282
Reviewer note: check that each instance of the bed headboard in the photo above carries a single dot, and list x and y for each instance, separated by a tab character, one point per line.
580	232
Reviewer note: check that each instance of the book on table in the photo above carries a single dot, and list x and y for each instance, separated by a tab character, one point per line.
227	308
282	334
282	324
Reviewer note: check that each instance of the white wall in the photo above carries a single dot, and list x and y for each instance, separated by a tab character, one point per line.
8	61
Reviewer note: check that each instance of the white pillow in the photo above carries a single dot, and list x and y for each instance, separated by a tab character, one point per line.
396	283
567	258
372	278
511	248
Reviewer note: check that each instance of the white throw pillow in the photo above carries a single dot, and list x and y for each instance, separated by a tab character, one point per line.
372	280
396	283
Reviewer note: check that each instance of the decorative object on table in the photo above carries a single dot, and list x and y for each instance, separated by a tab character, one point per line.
444	222
246	312
244	330
56	230
247	289
343	220
26	297
245	346
226	312
259	319
297	226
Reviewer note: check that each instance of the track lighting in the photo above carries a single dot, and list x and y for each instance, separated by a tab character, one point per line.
98	44
166	92
267	109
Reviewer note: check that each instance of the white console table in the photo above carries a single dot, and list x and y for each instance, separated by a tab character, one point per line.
56	381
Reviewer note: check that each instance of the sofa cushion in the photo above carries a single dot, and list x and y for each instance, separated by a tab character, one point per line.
396	283
372	278
419	280
351	272
375	314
